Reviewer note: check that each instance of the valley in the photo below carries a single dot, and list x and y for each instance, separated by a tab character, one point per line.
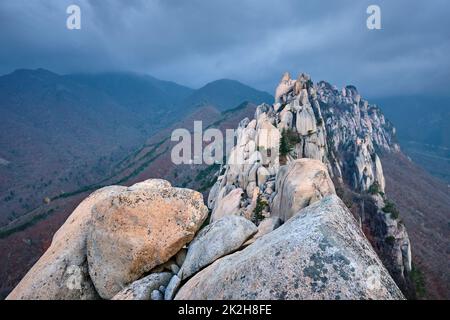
67	132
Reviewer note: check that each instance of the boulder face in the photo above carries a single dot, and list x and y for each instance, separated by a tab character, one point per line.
62	272
265	226
228	205
320	253
267	136
299	184
216	240
172	287
306	121
143	288
112	238
139	229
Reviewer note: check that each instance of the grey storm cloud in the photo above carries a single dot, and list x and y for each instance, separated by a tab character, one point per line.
254	41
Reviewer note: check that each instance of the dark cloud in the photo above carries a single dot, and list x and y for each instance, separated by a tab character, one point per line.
254	41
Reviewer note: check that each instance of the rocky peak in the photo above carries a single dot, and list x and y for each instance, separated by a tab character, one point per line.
338	137
330	124
338	128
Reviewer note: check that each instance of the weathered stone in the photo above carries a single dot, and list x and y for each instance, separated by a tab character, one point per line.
318	254
266	226
181	256
250	188
213	193
214	241
174	268
286	118
379	176
338	128
138	229
368	169
62	273
267	136
172	288
286	84
156	295
306	121
228	205
262	175
249	210
299	184
142	289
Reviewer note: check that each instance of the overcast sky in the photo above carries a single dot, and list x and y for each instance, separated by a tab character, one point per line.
254	41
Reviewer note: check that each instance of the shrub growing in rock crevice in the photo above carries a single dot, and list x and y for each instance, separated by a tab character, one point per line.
390	207
285	147
261	204
390	240
289	138
375	189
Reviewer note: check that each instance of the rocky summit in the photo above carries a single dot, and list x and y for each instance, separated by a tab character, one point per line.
302	216
320	253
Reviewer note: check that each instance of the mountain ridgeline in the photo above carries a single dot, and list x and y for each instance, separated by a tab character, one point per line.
304	215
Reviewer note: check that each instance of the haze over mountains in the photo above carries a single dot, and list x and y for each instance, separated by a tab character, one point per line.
423	129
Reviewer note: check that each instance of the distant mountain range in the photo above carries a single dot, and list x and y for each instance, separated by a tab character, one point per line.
61	132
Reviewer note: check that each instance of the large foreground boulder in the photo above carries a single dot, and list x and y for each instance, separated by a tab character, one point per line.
62	273
299	184
139	229
320	253
112	238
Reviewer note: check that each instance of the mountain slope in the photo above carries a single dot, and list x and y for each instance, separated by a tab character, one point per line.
62	132
423	129
226	94
423	202
145	96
